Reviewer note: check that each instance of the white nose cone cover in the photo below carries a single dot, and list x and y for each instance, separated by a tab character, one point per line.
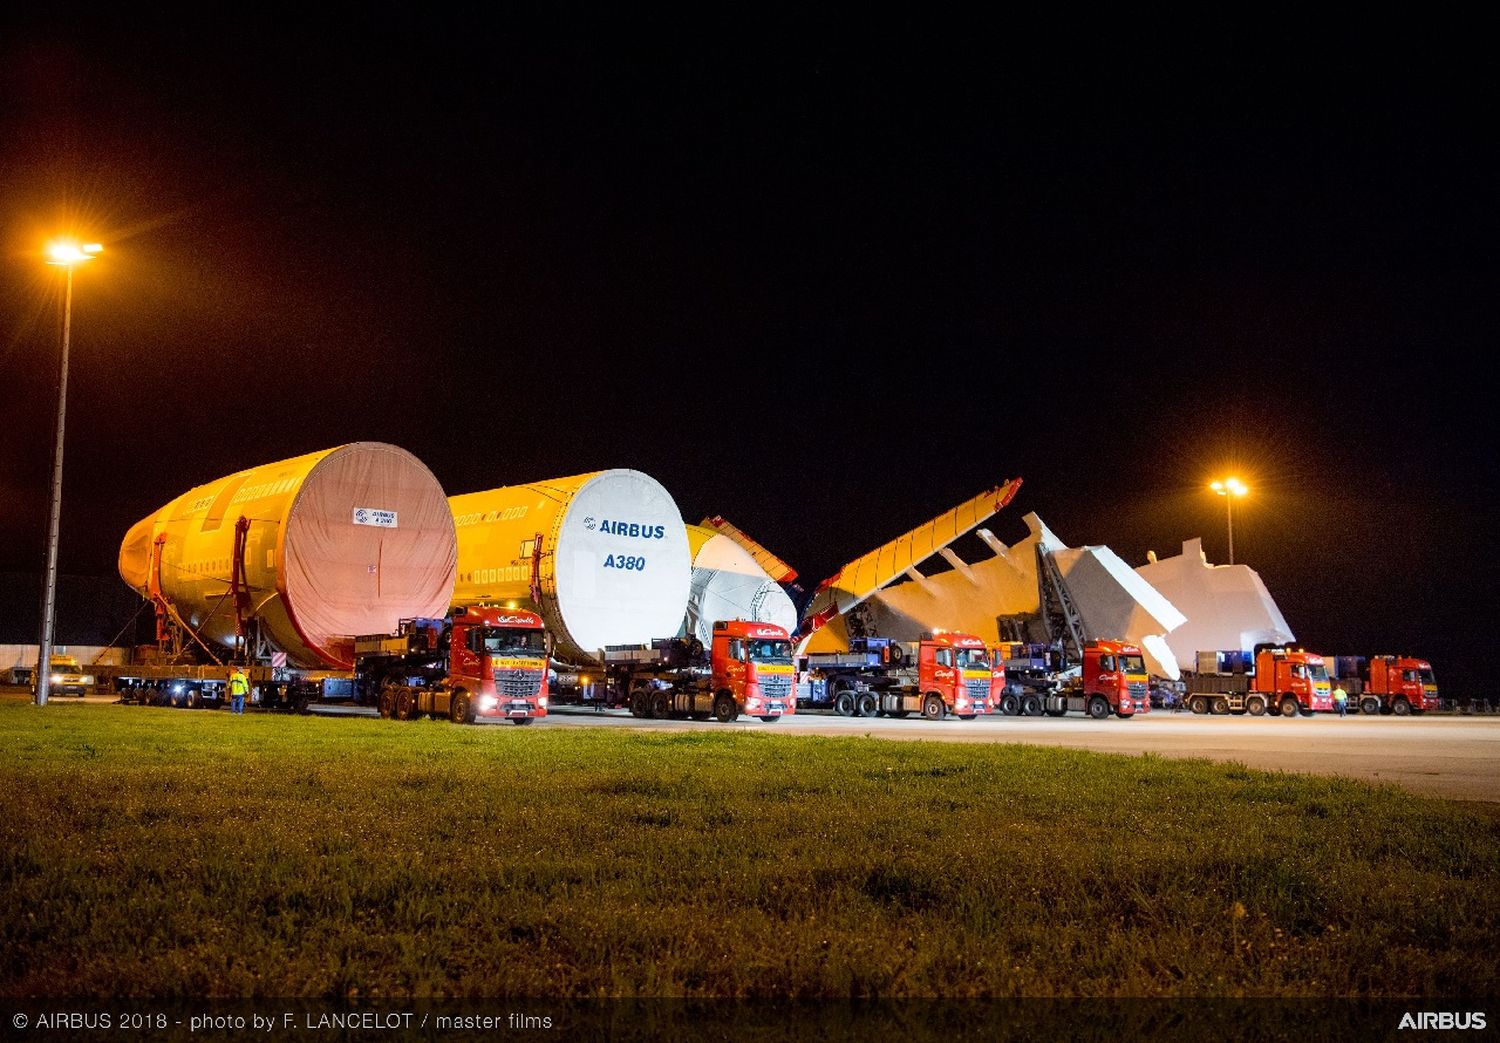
730	584
622	562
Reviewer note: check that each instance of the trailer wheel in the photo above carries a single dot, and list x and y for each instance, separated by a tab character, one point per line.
1255	706
898	656
1401	707
843	702
1219	707
866	705
1098	707
387	701
1010	705
460	711
1369	706
194	699
1198	704
1289	706
406	705
725	708
933	708
1031	706
661	706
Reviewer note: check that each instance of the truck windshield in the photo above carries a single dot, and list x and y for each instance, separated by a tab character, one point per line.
1318	672
768	650
973	658
498	641
1133	664
1427	677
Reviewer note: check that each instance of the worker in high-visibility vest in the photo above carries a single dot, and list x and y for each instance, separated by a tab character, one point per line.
1340	699
239	685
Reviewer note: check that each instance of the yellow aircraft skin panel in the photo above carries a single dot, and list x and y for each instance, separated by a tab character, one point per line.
400	559
865	575
777	569
198	554
495	528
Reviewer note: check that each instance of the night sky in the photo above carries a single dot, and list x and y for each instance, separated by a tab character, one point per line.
824	278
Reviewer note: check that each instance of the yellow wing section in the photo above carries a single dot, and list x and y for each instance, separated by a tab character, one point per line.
865	575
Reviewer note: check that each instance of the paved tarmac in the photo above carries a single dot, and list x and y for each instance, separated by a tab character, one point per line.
1447	755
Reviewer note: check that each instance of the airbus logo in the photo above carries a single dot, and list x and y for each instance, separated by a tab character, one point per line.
619	528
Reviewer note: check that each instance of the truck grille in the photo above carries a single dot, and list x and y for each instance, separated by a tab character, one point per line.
518	682
977	689
776	686
1137	689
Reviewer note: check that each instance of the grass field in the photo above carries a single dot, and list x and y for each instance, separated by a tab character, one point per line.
155	852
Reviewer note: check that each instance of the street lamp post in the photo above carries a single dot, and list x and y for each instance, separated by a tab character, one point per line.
1229	488
64	255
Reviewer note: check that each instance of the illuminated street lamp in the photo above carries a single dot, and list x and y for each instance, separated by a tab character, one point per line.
66	255
1229	488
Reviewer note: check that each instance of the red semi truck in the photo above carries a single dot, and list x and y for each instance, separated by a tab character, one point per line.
479	662
1112	679
1399	685
943	673
747	670
1282	680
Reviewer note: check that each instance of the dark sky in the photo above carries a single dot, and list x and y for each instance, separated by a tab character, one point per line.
826	279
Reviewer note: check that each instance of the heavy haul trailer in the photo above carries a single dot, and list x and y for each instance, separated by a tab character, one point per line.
1288	681
479	662
747	669
941	674
1387	684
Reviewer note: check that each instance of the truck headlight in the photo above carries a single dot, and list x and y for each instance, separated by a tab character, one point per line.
487	703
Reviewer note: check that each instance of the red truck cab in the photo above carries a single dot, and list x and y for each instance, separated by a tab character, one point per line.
499	658
957	668
752	664
1116	671
1404	685
1112	679
1292	680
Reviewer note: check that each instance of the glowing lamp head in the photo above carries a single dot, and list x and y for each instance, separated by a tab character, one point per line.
1230	487
66	253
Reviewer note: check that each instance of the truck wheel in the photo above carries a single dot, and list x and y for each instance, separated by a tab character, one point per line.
843	703
966	716
387	701
194	700
1369	706
1401	707
898	656
933	708
1010	705
1098	707
661	706
522	720
1289	706
406	705
1255	706
725	708
1198	704
640	703
866	705
459	709
770	720
1219	707
1031	706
